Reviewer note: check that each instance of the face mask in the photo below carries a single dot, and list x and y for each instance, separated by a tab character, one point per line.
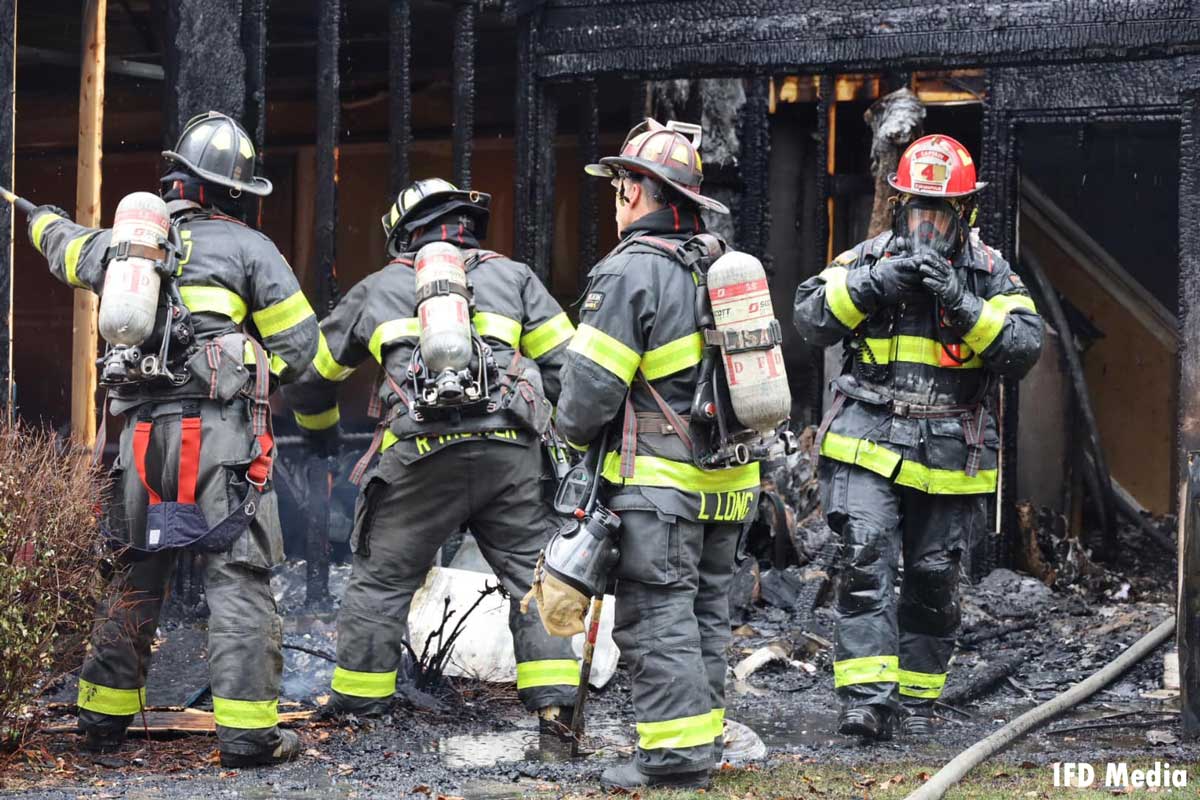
929	225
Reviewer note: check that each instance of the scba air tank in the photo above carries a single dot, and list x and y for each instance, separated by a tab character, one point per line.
741	302
443	312
129	300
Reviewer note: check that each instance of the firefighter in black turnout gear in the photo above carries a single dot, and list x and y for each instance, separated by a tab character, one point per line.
440	469
194	462
635	361
929	317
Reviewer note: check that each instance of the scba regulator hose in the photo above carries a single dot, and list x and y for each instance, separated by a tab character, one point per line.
976	754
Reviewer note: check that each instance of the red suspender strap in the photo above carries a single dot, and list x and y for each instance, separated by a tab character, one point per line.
260	468
189	458
141	442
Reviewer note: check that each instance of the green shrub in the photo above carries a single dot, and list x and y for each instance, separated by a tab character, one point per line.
49	544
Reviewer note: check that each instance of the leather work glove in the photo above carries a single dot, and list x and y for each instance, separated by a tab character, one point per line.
324	444
895	277
941	279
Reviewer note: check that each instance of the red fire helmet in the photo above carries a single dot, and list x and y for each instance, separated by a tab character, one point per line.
936	166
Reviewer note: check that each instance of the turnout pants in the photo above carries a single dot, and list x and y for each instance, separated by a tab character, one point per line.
889	653
404	514
244	631
672	625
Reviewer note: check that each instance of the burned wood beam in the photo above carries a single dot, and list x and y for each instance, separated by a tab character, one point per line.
8	46
526	131
400	91
897	120
826	105
754	213
589	201
1188	613
205	66
542	209
463	129
325	253
254	45
723	37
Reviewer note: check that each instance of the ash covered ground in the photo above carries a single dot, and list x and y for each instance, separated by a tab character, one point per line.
1022	642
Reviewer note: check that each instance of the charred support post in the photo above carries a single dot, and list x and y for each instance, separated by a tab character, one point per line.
204	64
589	153
526	138
826	133
1188	633
754	217
328	122
399	91
254	45
8	51
464	91
544	177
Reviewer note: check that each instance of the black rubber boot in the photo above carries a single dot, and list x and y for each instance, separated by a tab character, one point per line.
627	776
917	726
287	750
866	722
102	742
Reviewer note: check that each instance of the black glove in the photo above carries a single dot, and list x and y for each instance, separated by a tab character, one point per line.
894	278
941	279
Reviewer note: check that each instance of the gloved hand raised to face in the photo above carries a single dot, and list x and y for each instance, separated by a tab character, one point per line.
894	277
941	279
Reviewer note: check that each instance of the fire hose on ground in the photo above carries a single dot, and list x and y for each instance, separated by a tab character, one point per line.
976	754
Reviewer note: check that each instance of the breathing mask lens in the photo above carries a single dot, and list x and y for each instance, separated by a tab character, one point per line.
930	226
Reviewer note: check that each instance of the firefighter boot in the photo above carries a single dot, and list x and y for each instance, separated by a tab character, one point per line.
95	741
287	750
917	725
866	722
627	775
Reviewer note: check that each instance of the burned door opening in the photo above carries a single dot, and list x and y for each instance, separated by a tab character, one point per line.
1099	209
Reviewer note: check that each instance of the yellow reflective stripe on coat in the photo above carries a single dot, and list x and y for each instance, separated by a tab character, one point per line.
390	331
610	353
837	297
389	439
498	326
39	229
668	474
926	685
326	365
554	672
718	722
107	700
871	669
364	684
318	422
991	319
674	356
676	733
547	336
245	714
71	259
283	315
213	300
915	350
945	481
861	452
